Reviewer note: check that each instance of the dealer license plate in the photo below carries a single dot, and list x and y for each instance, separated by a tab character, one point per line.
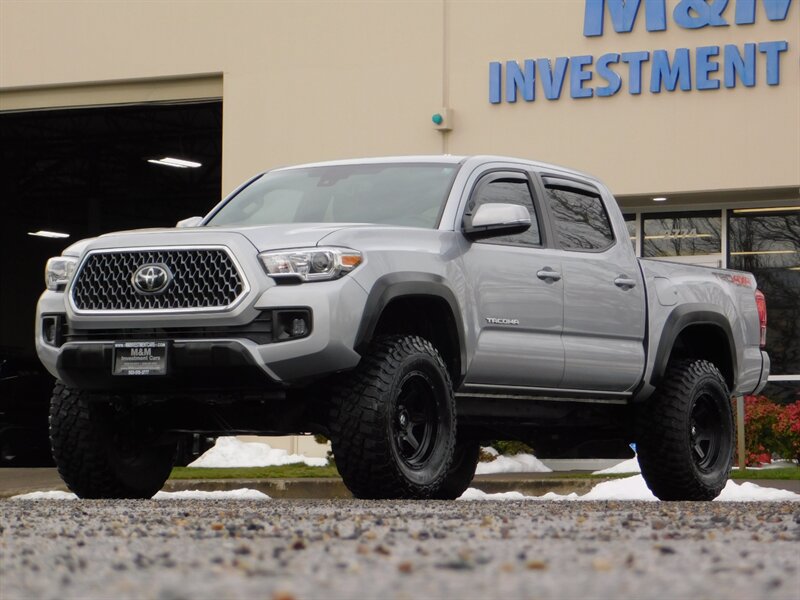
140	358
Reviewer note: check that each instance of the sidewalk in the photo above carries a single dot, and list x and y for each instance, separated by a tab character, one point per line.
22	481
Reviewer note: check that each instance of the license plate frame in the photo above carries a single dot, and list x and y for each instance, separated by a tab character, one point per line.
140	358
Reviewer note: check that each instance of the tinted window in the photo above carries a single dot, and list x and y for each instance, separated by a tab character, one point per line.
387	193
768	245
508	191
689	234
581	219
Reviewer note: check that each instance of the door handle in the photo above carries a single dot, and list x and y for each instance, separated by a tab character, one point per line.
547	274
624	282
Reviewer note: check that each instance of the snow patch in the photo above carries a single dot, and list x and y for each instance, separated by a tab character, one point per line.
635	488
520	463
230	452
240	494
50	495
626	466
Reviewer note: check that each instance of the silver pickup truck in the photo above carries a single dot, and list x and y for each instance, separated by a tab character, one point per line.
407	308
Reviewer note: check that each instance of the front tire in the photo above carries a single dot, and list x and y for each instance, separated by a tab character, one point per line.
685	433
101	452
393	423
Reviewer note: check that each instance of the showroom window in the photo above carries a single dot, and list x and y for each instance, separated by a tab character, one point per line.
633	230
766	242
682	234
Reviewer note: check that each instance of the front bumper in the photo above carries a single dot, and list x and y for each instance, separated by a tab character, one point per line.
217	361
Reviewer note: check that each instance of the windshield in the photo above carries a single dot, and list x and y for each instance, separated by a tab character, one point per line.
405	194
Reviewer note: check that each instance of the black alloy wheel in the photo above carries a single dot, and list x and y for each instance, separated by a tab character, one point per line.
684	433
393	422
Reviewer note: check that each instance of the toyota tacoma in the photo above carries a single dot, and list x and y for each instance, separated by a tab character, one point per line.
406	308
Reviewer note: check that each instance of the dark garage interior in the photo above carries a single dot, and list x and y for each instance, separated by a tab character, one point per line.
84	172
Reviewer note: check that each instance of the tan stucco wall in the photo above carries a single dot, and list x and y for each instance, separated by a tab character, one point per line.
318	80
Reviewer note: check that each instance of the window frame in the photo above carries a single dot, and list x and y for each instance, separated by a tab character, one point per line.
586	189
488	177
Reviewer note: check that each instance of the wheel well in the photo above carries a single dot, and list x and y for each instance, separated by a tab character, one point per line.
708	342
429	317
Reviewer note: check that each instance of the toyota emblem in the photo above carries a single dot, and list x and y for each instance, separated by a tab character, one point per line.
152	278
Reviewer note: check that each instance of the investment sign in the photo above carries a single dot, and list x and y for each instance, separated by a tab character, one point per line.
700	68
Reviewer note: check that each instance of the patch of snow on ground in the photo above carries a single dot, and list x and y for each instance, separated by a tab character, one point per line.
490	450
520	463
626	466
476	494
51	495
241	494
634	488
230	452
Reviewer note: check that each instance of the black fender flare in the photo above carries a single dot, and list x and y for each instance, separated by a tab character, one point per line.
408	284
678	320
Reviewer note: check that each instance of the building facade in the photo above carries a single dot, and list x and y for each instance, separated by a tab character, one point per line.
688	109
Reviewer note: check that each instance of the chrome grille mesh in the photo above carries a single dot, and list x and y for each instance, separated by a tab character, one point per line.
203	278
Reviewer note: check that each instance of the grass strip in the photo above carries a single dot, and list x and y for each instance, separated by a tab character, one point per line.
303	471
282	472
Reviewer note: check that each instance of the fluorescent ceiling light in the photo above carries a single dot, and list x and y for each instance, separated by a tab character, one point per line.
660	199
763	210
178	163
794	268
681	236
764	252
48	234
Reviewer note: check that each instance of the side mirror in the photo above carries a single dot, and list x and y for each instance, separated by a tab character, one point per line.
495	220
190	222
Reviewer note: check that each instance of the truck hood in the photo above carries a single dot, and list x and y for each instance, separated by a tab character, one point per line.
264	237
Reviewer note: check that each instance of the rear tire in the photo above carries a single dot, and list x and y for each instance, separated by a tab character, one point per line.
685	433
393	422
100	452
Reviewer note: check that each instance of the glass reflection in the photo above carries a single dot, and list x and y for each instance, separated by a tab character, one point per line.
681	235
582	222
768	245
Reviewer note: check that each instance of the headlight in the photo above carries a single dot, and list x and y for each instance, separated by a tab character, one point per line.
59	271
310	264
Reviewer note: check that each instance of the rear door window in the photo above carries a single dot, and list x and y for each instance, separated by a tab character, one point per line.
580	217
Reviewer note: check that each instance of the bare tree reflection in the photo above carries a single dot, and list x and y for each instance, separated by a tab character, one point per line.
682	235
776	239
582	220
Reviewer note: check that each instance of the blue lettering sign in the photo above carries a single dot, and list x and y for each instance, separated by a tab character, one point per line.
604	71
495	75
669	75
517	80
735	64
623	15
705	66
746	10
552	78
694	14
577	76
773	51
635	60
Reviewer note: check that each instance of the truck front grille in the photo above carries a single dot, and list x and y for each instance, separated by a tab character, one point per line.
202	279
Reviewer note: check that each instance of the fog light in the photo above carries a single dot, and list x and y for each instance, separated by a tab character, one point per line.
51	330
299	328
291	324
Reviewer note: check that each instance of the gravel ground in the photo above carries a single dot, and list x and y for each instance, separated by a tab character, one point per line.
282	550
